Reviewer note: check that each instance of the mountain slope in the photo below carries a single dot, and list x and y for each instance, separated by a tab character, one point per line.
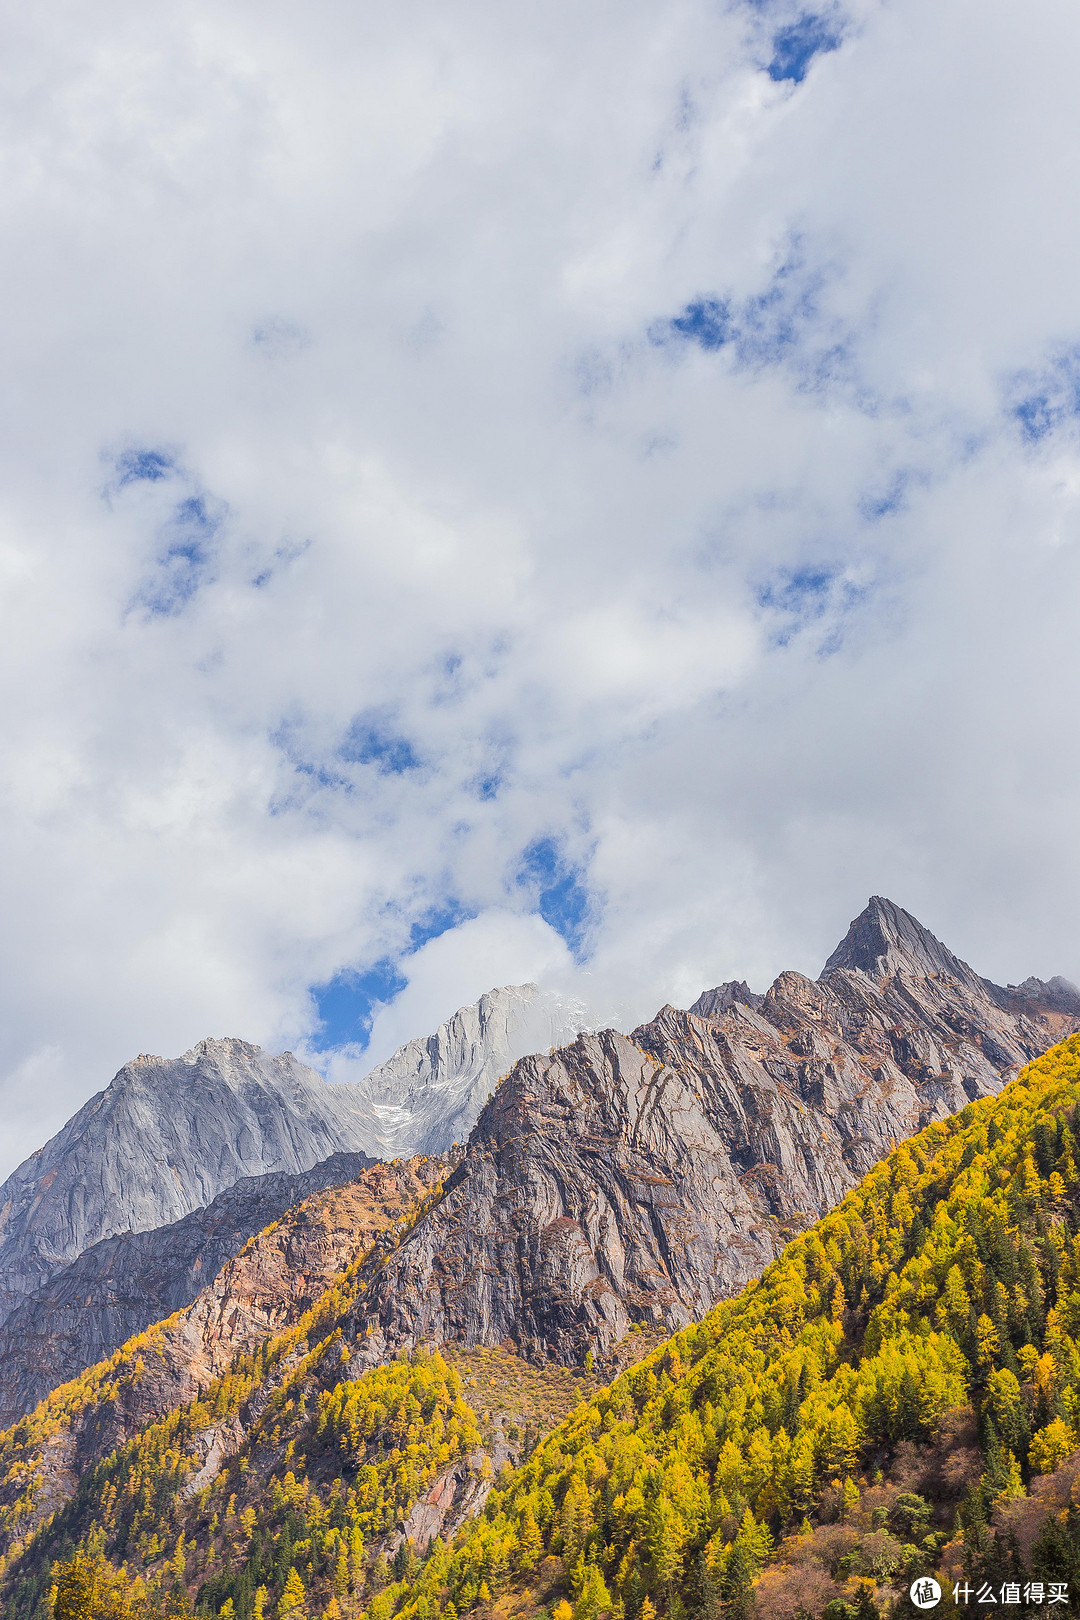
262	1297
897	1395
123	1284
636	1180
165	1138
642	1178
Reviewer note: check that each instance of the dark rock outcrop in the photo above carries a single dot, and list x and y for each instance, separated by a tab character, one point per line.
123	1284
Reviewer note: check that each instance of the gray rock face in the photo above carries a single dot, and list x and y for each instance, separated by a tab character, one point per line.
884	939
164	1139
646	1177
428	1095
121	1285
619	1179
712	1003
1056	995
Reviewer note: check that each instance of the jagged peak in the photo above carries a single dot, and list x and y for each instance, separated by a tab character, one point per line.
714	1003
885	939
218	1046
232	1062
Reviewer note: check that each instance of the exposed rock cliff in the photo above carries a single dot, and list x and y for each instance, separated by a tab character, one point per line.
123	1284
263	1291
617	1180
647	1177
162	1140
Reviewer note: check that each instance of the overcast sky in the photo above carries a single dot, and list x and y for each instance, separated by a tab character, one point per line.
576	492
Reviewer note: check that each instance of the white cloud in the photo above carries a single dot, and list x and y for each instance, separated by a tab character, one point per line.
748	632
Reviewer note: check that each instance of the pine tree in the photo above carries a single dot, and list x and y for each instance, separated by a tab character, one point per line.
530	1542
595	1599
291	1604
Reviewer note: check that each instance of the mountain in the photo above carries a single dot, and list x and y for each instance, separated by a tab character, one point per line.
430	1092
897	1397
642	1178
265	1296
123	1284
164	1139
167	1136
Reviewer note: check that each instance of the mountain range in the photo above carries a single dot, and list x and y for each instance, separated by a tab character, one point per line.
168	1136
612	1190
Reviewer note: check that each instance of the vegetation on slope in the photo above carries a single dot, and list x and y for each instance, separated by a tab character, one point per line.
319	1469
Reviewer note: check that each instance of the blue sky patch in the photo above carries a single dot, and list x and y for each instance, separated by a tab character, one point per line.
437	920
795	598
348	1002
795	47
785	323
186	560
706	322
372	742
1043	401
563	898
144	466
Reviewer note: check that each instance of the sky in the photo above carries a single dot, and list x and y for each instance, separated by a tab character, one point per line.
580	493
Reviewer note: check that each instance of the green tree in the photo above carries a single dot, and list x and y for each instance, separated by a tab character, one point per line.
595	1599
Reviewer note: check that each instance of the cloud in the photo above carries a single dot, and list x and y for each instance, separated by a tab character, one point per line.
617	509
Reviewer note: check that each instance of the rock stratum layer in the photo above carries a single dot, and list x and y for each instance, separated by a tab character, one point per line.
618	1180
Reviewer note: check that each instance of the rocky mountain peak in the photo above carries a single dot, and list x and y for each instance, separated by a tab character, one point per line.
714	1003
429	1093
168	1135
1056	994
884	940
